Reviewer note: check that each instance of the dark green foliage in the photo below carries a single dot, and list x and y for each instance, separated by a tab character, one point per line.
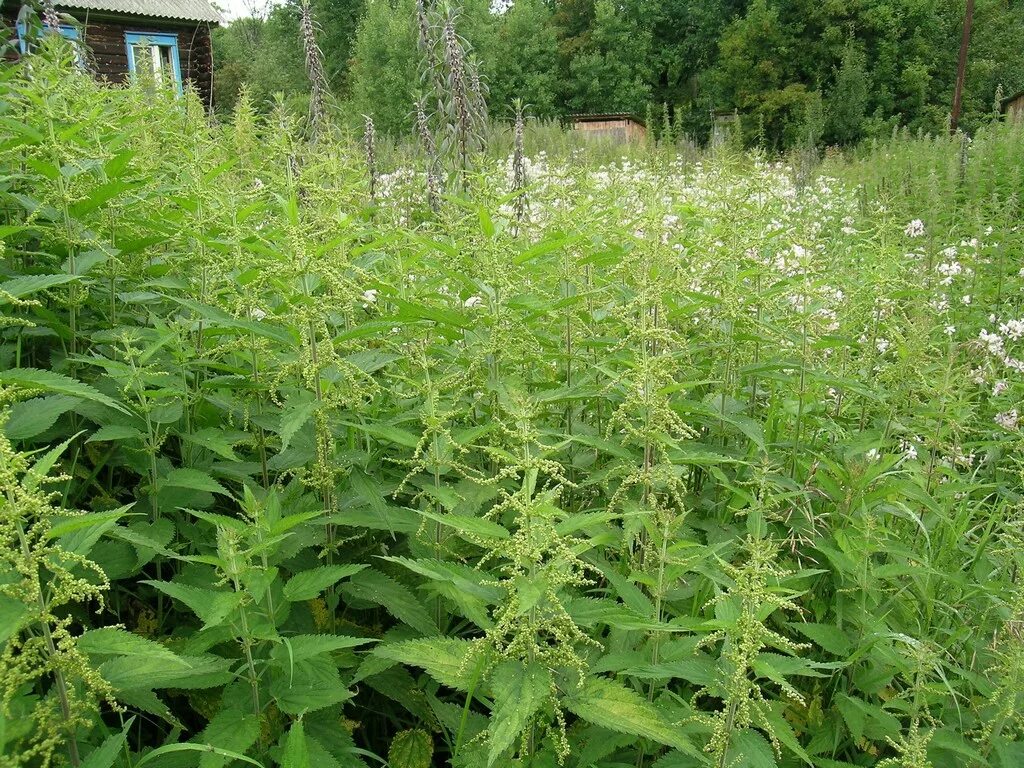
876	64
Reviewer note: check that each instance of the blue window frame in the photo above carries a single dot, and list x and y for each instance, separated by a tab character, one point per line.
157	50
66	31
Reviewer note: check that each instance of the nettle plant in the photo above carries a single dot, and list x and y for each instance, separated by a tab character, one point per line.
678	465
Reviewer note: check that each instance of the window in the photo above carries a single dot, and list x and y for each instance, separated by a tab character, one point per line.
25	44
154	53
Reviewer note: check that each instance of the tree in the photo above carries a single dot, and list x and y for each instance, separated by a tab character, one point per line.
383	74
523	62
848	99
612	71
265	55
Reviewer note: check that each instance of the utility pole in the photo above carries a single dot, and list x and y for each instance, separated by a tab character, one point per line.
961	69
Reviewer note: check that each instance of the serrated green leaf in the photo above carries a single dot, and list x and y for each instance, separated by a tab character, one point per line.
749	749
29	418
295	753
212	607
12	612
292	420
192	479
387	433
445	659
106	753
519	692
48	381
308	584
299	647
29	284
611	705
826	636
114	432
135	673
232	731
307	685
114	641
411	749
476	527
376	587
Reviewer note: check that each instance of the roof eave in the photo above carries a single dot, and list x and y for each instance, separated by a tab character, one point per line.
106	14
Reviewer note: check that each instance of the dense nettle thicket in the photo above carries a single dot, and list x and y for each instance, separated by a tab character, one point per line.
652	463
834	72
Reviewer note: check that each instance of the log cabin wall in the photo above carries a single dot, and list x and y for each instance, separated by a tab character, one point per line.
617	128
1015	107
104	35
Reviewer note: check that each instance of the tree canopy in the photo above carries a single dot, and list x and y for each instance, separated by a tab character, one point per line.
832	71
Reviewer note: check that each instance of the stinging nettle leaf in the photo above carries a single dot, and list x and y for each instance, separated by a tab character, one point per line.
193	480
476	527
292	420
376	587
212	607
106	753
114	641
29	418
445	659
519	692
29	284
411	749
295	753
611	705
308	584
34	378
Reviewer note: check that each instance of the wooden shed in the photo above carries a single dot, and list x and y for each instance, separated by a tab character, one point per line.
169	38
1013	106
725	126
618	126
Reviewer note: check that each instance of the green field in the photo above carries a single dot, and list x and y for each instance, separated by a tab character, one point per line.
657	461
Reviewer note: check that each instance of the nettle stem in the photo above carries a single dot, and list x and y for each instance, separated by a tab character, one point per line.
803	384
261	435
250	662
58	676
62	189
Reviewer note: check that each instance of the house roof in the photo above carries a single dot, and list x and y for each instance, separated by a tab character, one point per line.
184	10
595	117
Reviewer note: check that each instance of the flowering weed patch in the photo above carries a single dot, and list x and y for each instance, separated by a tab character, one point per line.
645	464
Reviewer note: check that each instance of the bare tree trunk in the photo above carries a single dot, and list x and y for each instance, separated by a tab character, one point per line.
961	69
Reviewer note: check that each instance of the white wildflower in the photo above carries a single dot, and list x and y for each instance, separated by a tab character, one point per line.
1013	328
1007	419
914	228
993	341
473	302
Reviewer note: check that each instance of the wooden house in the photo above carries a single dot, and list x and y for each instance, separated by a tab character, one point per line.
1013	106
617	126
169	38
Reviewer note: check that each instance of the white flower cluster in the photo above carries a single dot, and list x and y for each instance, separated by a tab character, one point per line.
914	228
1008	419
